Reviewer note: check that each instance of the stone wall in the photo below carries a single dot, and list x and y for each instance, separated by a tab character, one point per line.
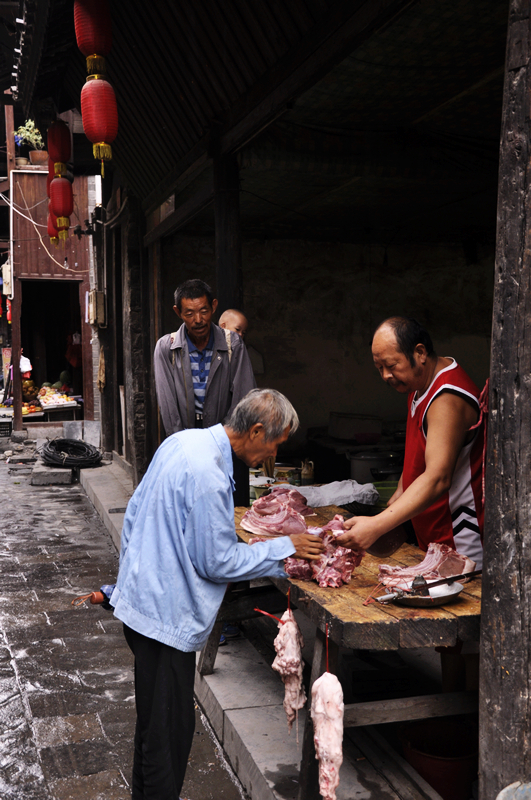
313	306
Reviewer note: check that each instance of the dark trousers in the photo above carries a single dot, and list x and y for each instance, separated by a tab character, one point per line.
241	479
165	717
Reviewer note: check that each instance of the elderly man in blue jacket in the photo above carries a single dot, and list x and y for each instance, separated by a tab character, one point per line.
179	550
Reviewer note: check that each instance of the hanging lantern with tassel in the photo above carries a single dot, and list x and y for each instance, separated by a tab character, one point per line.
61	204
100	116
56	170
50	177
92	21
59	146
53	233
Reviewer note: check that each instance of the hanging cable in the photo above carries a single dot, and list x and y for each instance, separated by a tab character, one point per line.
67	269
8	202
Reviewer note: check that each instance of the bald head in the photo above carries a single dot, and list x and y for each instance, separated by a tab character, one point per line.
234	320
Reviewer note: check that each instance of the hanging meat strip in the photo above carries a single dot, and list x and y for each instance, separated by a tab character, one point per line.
327	715
288	663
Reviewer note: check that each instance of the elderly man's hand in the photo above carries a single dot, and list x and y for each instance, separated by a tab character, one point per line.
360	534
307	546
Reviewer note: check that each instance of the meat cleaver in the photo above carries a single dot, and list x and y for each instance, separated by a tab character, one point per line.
389	543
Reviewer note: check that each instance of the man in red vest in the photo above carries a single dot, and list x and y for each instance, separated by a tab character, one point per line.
440	489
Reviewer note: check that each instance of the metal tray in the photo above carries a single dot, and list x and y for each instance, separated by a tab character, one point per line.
439	596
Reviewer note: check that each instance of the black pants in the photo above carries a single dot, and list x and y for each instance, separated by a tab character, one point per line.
165	717
241	479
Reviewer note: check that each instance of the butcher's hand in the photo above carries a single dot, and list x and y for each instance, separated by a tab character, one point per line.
360	534
307	546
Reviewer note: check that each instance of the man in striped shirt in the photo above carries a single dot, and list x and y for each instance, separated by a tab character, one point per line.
200	376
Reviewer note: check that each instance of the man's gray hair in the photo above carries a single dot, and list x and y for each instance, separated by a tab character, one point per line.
267	407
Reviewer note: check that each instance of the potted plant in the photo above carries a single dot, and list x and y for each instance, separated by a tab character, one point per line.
30	135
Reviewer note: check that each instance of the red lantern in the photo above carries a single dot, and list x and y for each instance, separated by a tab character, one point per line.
92	20
61	204
59	145
53	232
55	170
8	310
50	177
100	115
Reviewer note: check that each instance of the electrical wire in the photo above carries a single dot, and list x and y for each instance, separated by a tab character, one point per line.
68	269
70	453
8	202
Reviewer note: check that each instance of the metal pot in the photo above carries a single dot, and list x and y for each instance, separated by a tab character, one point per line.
362	464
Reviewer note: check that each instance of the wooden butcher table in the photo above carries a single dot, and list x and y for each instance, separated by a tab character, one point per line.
353	625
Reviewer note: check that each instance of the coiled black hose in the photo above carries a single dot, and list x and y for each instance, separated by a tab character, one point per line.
70	453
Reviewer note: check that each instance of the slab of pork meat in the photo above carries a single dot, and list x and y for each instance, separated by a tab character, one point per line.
440	561
282	495
327	715
288	663
336	524
334	567
284	522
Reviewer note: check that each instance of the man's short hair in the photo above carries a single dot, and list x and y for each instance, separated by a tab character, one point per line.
409	333
265	406
191	290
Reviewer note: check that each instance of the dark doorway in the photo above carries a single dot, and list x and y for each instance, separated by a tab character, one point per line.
50	325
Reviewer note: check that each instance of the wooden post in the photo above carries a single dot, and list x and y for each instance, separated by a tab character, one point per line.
228	236
16	309
505	666
309	771
10	139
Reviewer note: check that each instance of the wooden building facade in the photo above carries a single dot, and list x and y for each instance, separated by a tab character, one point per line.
50	288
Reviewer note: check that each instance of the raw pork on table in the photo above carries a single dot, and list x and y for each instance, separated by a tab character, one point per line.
288	663
282	495
335	566
440	561
327	716
283	522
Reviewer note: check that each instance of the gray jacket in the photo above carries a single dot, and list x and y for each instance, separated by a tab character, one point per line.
227	382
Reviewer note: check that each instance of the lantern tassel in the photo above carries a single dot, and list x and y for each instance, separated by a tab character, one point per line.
63	235
95	64
54	240
102	150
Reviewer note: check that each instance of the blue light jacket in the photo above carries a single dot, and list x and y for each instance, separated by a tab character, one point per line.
179	547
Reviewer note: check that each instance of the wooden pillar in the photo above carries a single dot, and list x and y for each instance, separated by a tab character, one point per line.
505	660
228	235
16	308
10	139
102	240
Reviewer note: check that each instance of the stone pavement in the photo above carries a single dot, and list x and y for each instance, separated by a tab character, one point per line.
66	684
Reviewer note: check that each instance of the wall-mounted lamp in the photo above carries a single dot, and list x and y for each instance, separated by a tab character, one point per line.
79	232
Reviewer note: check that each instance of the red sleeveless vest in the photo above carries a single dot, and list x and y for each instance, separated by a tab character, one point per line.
456	518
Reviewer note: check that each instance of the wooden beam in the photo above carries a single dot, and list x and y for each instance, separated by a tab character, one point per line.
379	712
16	344
323	658
324	46
10	140
346	26
491	76
228	235
182	215
505	646
188	168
